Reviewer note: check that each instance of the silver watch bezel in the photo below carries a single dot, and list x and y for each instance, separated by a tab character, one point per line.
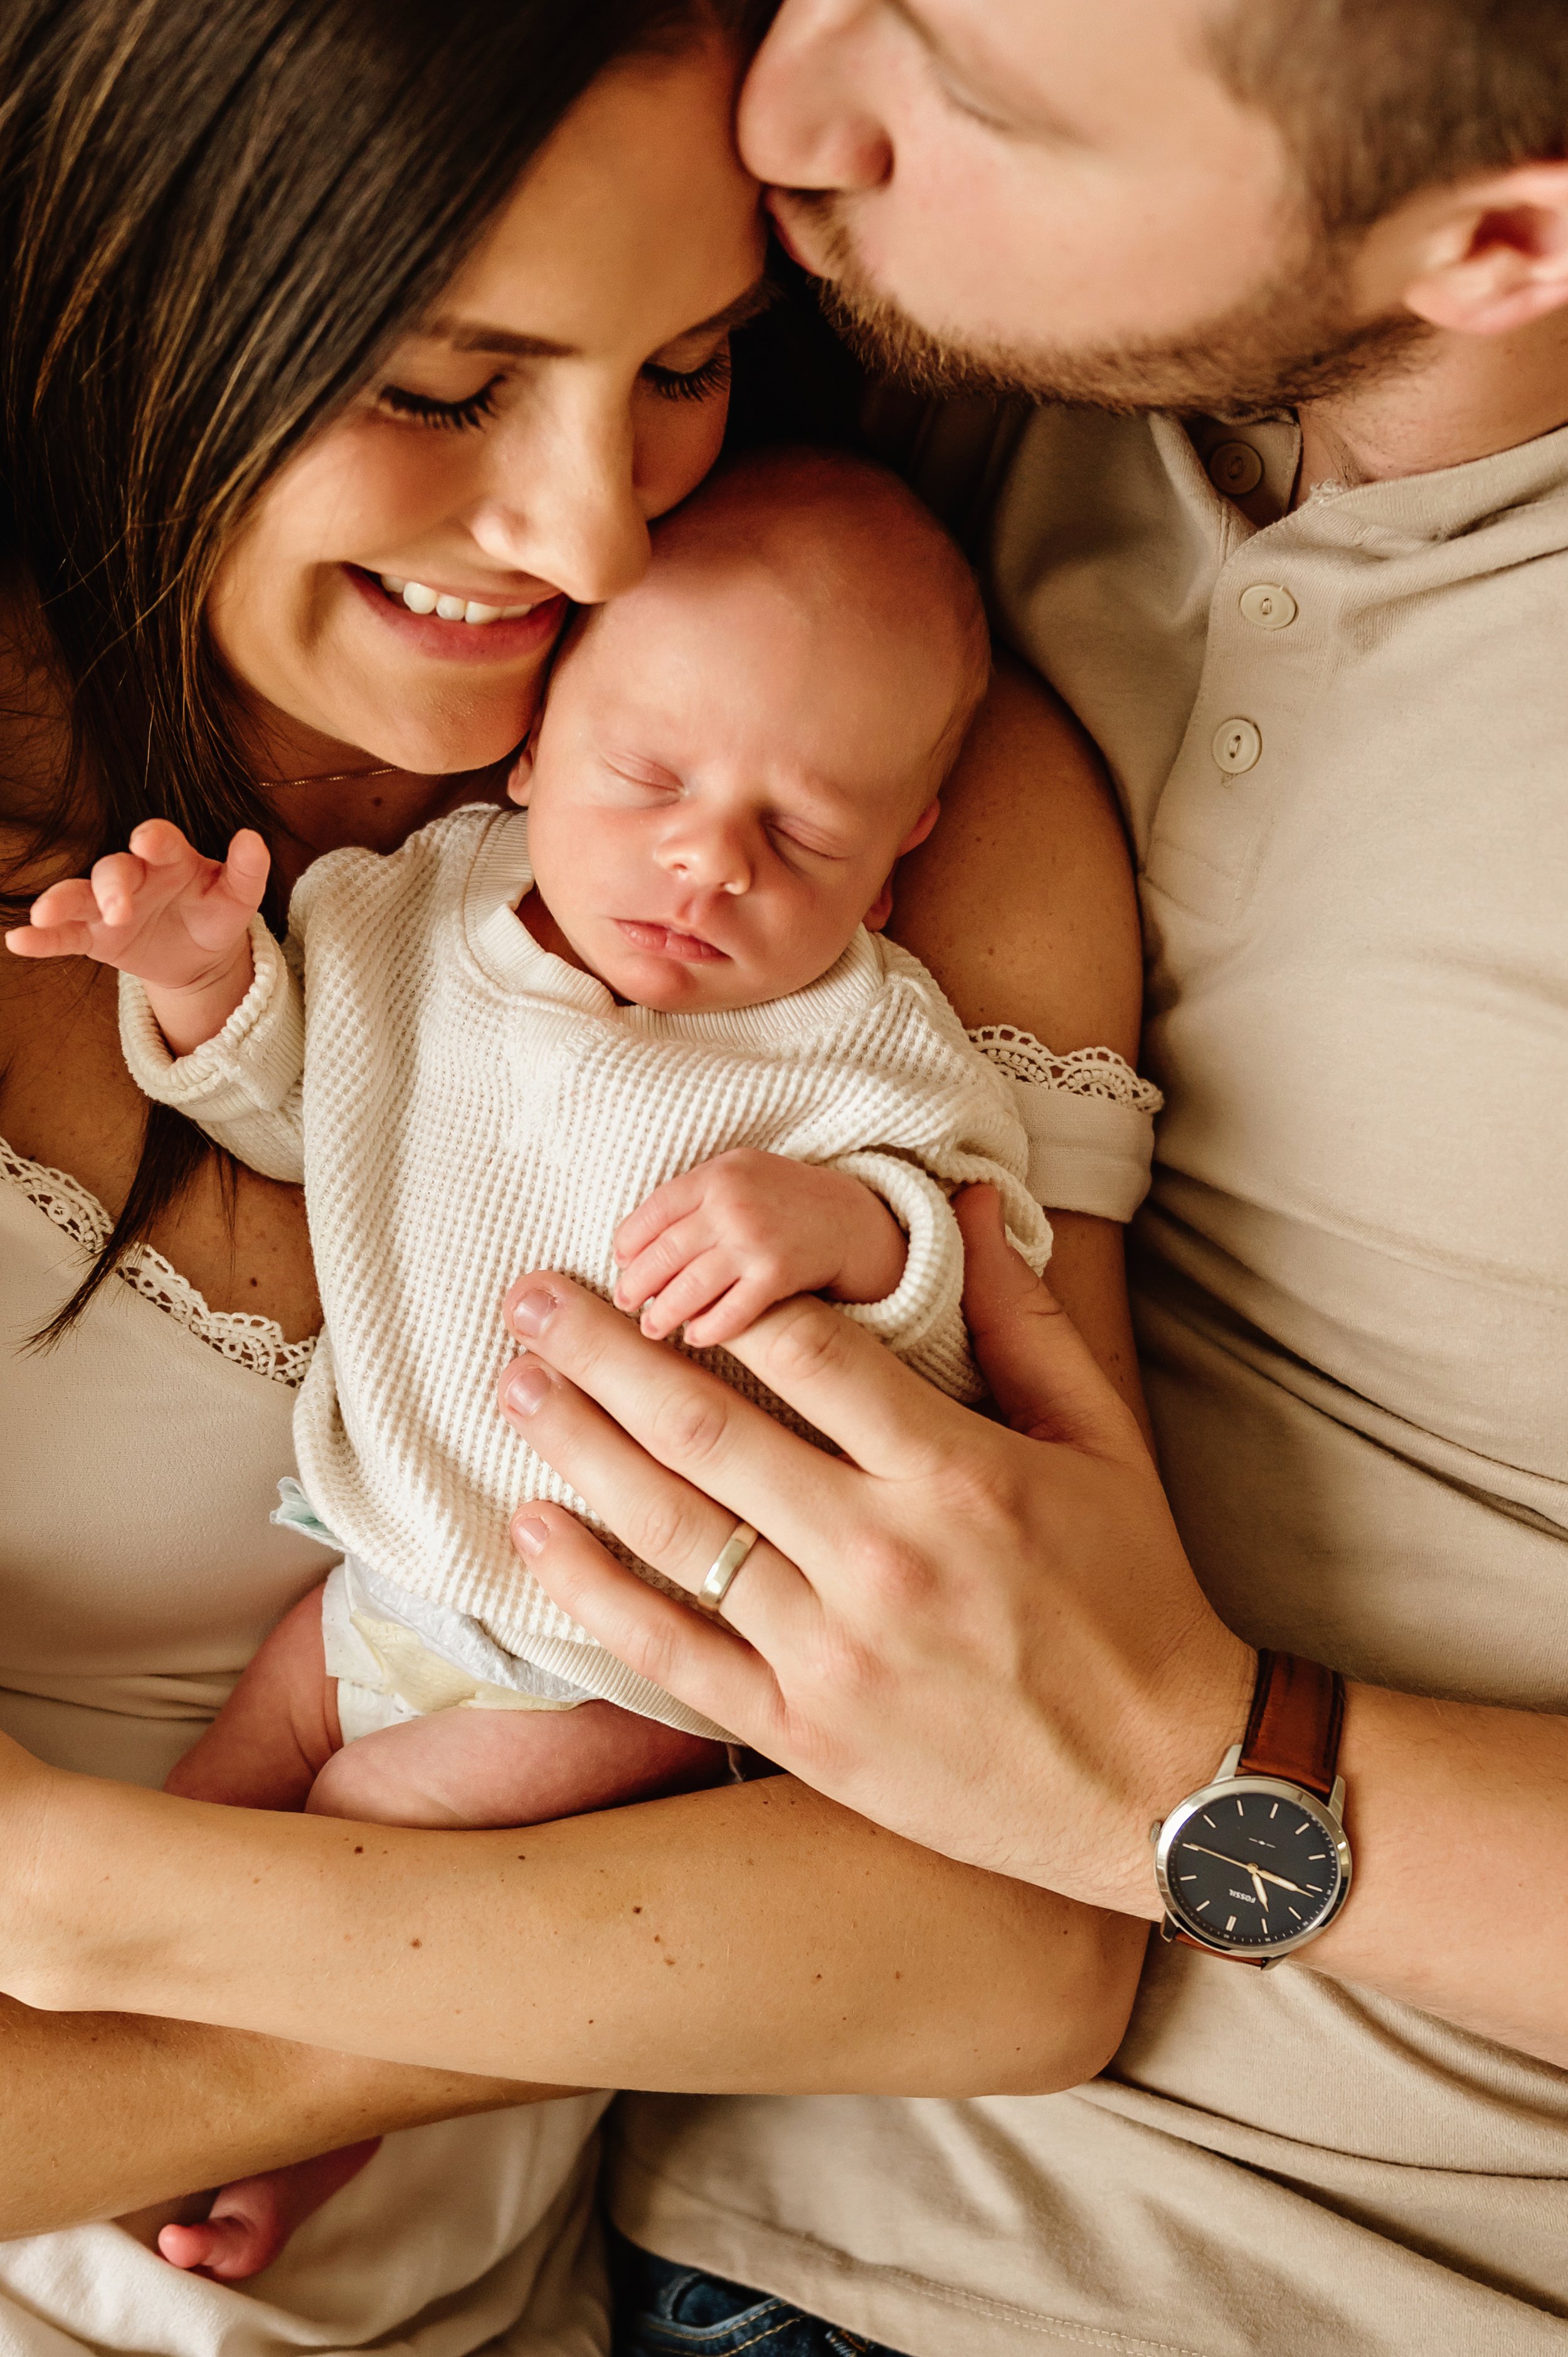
1228	1784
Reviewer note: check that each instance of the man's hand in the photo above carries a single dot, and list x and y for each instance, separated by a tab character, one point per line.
989	1640
711	1251
164	914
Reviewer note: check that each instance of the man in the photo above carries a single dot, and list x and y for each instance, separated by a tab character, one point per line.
1297	556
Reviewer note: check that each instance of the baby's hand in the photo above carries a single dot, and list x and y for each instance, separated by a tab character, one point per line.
714	1249
161	911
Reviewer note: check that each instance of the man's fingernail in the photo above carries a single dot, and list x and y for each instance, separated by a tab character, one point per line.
532	1310
530	1534
526	1387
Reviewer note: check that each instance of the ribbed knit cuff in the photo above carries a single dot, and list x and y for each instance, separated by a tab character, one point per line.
248	1067
932	1283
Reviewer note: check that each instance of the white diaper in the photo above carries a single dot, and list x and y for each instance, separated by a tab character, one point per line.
397	1656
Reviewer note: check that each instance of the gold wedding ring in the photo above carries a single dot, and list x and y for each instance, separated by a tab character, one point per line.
725	1565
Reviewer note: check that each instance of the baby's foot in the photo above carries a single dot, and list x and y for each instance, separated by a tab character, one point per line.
251	2220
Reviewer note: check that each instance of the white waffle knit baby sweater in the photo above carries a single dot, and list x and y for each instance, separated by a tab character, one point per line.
462	1106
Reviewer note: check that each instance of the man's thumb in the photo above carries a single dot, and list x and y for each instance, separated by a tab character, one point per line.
1039	1369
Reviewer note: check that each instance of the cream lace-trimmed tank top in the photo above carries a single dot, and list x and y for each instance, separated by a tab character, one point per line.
138	1573
138	1570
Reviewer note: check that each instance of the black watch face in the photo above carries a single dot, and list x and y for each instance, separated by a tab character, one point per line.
1252	1868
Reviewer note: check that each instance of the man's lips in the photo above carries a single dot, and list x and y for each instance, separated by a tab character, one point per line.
777	202
489	642
667	940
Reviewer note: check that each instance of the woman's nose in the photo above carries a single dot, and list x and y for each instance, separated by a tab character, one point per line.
805	121
570	514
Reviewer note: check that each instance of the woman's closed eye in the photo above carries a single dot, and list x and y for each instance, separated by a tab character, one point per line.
701	383
454	416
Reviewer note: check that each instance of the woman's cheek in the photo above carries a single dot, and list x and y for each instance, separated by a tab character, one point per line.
678	442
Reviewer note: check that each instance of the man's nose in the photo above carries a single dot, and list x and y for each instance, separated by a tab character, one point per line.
568	510
803	122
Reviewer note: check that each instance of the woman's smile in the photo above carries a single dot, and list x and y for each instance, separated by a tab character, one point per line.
456	629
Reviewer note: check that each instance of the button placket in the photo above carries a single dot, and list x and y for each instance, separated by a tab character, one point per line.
1260	680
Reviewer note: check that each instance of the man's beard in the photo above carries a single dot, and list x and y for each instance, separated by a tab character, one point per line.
1290	341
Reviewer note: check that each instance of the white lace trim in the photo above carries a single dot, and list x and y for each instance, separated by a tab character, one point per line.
254	1343
1087	1073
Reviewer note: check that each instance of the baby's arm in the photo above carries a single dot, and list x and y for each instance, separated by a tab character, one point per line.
712	1249
162	912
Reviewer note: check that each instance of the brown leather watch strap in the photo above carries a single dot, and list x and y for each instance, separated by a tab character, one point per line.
1298	1712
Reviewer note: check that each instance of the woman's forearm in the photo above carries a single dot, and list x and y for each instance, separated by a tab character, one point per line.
110	2113
758	1937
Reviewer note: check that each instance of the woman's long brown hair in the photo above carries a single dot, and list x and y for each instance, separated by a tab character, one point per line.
215	217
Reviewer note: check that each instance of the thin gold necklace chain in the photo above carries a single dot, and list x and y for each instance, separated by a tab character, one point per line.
331	777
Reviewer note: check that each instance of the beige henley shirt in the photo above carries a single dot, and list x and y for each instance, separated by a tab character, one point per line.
1340	737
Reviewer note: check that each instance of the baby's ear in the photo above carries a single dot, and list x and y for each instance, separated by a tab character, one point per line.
920	829
519	777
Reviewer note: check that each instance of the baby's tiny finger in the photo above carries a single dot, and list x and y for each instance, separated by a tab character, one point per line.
46	940
70	902
741	1307
159	842
116	884
651	1217
660	1262
247	867
696	1288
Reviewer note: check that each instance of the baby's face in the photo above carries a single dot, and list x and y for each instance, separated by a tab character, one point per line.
723	781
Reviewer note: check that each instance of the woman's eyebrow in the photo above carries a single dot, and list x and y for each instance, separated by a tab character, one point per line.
478	335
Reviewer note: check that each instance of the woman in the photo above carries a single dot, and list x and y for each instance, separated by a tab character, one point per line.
300	300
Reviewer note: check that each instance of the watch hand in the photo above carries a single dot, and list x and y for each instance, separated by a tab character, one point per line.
1258	1886
1243	1867
1297	1887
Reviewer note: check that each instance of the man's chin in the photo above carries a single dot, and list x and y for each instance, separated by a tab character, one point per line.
1287	343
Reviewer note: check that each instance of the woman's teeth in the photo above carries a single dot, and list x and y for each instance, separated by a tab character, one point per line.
421	600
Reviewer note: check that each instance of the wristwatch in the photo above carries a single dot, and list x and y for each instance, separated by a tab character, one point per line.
1256	1864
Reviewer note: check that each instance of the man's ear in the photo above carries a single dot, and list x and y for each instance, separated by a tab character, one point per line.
881	909
1492	255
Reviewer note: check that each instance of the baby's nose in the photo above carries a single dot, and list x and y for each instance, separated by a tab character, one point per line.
717	858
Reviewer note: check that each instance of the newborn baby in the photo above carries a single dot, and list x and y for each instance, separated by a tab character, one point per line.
644	1033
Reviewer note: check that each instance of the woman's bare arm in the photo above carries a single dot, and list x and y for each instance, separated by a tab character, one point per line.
107	2113
1022	903
757	1939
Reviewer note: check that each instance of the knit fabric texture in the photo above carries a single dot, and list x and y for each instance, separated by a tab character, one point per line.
463	1106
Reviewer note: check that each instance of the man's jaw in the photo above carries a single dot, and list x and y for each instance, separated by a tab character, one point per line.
1290	341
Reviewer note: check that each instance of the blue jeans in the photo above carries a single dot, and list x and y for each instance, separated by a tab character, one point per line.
664	2309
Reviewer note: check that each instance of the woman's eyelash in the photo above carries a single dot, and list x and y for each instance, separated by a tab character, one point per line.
454	417
691	385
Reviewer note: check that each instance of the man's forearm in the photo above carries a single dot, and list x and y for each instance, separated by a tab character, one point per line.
106	2113
1458	1823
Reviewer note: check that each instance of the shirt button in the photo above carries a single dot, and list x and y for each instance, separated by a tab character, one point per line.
1237	746
1235	468
1268	606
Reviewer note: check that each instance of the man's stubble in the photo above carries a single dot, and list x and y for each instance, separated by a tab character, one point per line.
1292	340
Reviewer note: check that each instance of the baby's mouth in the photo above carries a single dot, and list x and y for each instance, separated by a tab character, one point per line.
668	941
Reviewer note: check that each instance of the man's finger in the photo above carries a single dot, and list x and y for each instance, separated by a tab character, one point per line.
1039	1369
665	1521
700	1661
886	1419
683	1415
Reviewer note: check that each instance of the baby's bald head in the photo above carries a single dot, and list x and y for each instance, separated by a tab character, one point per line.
859	565
734	756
